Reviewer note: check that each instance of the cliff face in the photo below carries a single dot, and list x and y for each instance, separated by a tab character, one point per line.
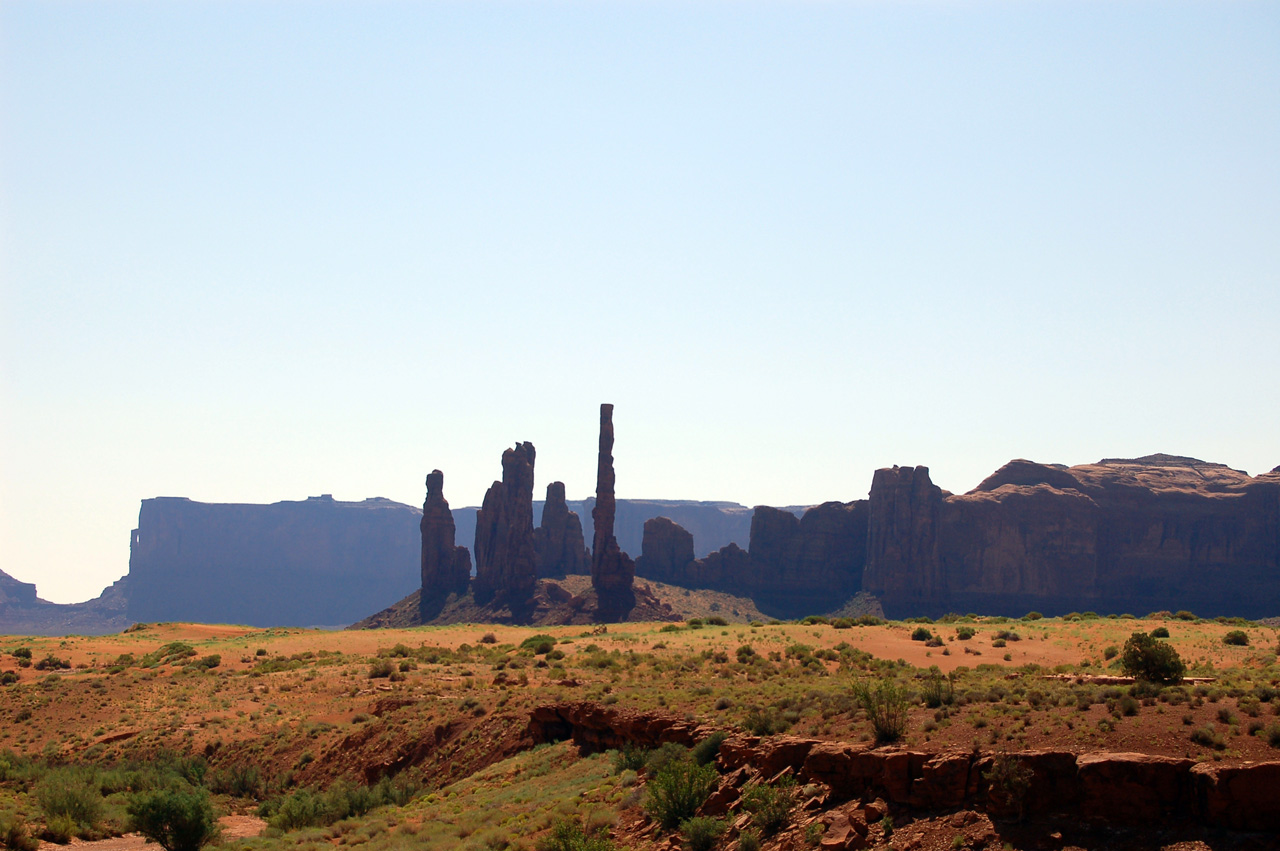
14	592
317	562
1137	535
666	552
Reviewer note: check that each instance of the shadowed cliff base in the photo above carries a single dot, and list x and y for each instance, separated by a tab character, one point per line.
572	600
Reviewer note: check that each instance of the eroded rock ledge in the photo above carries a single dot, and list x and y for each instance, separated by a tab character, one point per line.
1110	788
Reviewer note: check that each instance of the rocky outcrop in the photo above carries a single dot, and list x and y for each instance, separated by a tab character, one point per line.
612	571
14	592
558	538
316	562
446	568
506	558
725	569
806	565
1102	788
667	552
1136	535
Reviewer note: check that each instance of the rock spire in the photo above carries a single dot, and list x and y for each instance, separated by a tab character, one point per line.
612	571
506	558
446	569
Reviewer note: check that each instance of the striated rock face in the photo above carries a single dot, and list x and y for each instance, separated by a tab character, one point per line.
446	569
612	571
558	538
727	569
15	592
667	552
506	558
315	562
1137	535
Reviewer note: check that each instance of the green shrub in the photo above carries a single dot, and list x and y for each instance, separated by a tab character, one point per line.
766	721
15	836
1009	779
1208	737
886	706
1160	632
770	804
938	690
1145	658
1110	652
921	634
1032	616
701	832
705	751
964	633
59	830
716	620
240	781
52	663
71	793
749	840
8	678
1236	638
1184	615
677	791
663	755
178	819
568	835
381	669
629	758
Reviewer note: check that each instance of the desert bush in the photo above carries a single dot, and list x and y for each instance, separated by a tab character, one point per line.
766	721
629	758
1184	615
8	678
770	804
15	836
701	832
1236	638
1110	652
964	633
1032	616
749	840
921	634
663	755
1127	706
381	669
240	781
886	706
569	835
717	620
938	690
71	793
1272	735
1160	632
1208	737
677	791
1009	779
1145	658
178	819
705	751
52	663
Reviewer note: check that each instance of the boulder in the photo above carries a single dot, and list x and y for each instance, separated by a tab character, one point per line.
1240	797
1134	788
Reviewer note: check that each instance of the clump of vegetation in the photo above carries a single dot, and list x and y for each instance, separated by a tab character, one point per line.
72	795
569	835
178	819
1009	779
1160	632
677	791
885	704
1208	737
770	804
1145	658
539	645
705	751
921	634
1236	638
701	832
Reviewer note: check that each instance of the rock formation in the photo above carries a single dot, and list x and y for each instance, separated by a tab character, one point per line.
315	562
14	592
558	538
666	552
1122	535
612	571
506	558
446	568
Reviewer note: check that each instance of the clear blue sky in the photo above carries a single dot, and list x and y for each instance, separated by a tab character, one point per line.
260	251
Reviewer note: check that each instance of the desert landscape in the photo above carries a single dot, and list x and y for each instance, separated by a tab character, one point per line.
475	736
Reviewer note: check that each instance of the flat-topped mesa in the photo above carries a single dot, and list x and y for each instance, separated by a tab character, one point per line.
506	558
558	538
612	571
446	568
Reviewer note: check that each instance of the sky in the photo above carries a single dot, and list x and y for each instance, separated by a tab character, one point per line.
261	251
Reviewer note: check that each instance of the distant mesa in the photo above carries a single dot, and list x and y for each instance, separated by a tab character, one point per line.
22	612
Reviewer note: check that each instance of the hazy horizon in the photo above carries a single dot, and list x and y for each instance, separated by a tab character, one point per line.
253	252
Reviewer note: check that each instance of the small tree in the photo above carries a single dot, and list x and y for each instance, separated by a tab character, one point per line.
1145	658
179	819
886	707
677	791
